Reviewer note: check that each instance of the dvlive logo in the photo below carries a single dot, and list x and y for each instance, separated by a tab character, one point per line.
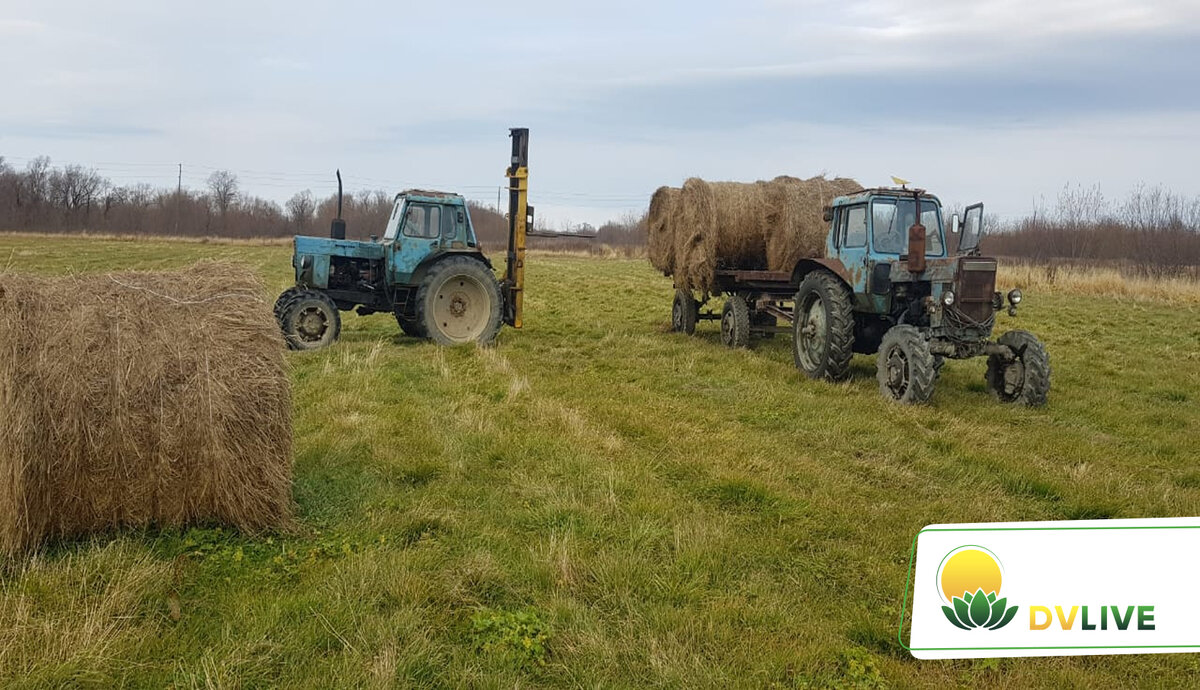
1040	617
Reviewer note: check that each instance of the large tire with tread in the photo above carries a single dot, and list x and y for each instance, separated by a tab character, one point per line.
685	311
823	327
735	322
459	302
411	327
904	366
310	321
285	297
1024	380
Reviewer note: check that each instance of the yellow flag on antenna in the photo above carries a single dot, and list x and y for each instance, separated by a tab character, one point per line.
897	180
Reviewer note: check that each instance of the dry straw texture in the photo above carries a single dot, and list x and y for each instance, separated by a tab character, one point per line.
703	226
140	398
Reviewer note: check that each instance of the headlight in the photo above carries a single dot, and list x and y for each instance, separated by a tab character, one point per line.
1014	296
305	261
948	297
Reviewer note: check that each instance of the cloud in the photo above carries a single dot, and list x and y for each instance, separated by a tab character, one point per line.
621	96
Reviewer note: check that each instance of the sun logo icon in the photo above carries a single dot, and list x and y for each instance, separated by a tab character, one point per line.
969	579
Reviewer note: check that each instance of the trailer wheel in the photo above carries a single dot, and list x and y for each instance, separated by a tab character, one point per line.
904	366
735	322
1024	380
459	302
311	321
823	327
684	312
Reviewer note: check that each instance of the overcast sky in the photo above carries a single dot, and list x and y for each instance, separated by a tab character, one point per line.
1003	101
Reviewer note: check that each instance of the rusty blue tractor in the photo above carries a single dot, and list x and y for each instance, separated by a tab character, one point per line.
427	269
887	285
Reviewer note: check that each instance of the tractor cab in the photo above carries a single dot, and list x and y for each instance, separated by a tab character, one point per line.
424	223
897	263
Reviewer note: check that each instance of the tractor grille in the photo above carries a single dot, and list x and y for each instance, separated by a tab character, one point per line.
974	287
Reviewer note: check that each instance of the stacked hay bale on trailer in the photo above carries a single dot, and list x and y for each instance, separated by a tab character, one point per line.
704	235
140	399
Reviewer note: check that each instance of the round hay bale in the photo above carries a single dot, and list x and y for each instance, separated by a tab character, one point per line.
660	240
694	219
137	399
798	226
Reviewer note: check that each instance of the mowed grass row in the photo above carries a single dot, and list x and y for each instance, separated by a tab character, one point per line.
599	502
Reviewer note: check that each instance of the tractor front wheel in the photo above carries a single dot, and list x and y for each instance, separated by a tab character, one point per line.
1024	379
823	327
285	297
905	368
459	302
310	321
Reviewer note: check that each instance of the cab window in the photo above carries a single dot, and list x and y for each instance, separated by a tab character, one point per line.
854	226
449	231
422	220
891	218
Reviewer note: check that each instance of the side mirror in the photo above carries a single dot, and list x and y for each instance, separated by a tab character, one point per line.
374	238
828	214
955	224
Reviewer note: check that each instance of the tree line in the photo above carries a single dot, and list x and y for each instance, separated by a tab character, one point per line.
1151	229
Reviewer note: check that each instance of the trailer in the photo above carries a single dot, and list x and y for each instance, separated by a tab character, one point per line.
756	303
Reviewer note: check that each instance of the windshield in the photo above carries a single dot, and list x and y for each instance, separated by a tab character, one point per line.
393	225
890	219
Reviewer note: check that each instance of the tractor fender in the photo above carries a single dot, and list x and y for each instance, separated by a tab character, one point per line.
433	259
834	266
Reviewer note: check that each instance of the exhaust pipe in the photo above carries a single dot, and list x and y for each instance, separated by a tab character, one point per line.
337	229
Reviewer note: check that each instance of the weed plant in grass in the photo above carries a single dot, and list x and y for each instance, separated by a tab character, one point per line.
645	508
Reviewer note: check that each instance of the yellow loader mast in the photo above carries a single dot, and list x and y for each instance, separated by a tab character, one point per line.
520	220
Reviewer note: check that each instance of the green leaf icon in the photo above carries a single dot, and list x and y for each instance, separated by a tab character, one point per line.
997	610
952	618
964	616
1008	616
981	609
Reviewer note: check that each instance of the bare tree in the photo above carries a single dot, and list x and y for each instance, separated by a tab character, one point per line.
301	208
224	188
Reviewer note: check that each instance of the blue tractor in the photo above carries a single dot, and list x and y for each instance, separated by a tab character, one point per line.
887	285
427	269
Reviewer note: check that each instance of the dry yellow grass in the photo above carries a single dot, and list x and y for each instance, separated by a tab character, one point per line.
1096	282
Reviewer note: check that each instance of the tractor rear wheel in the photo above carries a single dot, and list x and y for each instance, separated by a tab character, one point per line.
311	321
1025	379
904	366
685	311
459	302
735	322
823	327
411	327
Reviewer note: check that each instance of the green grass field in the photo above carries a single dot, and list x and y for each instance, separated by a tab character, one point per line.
598	502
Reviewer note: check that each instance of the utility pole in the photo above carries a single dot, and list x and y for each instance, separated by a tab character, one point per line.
178	197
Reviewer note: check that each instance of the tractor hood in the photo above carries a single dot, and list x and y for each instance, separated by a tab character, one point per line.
323	246
311	257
